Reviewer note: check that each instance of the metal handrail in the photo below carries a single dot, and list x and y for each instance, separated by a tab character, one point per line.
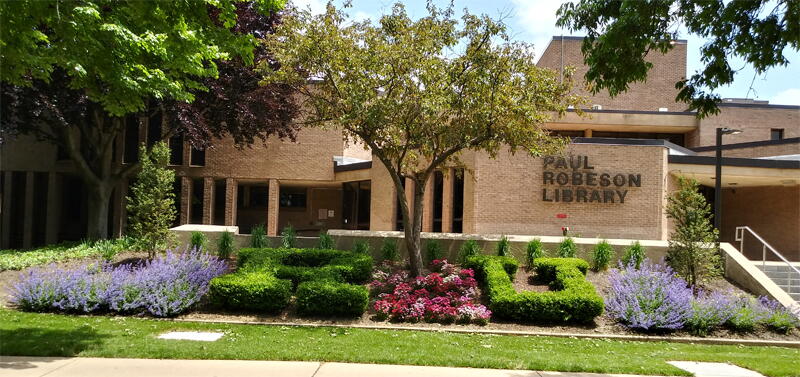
764	246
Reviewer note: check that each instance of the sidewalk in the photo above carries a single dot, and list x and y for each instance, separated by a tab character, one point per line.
99	367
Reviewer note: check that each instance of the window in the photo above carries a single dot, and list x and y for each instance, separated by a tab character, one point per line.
154	129
176	150
130	152
198	157
776	134
293	197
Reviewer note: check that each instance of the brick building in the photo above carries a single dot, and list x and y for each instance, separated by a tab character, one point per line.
612	182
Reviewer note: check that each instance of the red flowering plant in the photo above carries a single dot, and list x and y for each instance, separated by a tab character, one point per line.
446	295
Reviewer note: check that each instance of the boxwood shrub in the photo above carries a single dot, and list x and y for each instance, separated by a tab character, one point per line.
332	272
327	297
251	291
573	299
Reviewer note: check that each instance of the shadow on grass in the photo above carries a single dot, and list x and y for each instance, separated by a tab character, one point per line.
29	341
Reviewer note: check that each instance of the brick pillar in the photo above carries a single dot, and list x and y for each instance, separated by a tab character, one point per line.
208	200
587	133
273	207
447	201
427	210
230	201
53	207
186	200
6	211
27	218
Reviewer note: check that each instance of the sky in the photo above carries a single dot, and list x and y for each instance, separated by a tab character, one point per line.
534	21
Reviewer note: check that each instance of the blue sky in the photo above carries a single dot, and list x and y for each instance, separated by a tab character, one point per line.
534	21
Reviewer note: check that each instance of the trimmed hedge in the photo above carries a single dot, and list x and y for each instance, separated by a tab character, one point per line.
332	272
574	299
325	297
252	291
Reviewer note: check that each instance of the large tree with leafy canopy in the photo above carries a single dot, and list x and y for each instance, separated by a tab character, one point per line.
620	34
73	71
418	93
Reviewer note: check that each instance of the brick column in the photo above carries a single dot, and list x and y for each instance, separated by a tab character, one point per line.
273	207
230	201
186	200
427	210
27	218
5	236
208	200
53	207
447	201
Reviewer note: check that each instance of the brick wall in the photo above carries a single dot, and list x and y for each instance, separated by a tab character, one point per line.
757	151
658	91
755	121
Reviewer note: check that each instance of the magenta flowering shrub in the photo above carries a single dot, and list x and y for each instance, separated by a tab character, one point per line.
163	287
446	295
649	298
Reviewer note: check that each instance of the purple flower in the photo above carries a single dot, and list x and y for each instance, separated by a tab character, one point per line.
650	298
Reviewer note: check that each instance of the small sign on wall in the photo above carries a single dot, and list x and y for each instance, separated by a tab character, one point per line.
331	213
322	214
561	215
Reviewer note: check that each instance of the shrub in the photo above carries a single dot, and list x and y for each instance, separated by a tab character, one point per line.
325	241
503	247
468	249
326	297
534	250
634	254
433	251
198	241
601	256
225	246
108	249
573	300
361	247
692	251
650	298
251	291
258	237
151	205
163	287
710	310
288	237
389	250
747	315
567	248
777	317
447	295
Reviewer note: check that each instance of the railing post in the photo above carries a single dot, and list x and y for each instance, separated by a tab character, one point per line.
764	257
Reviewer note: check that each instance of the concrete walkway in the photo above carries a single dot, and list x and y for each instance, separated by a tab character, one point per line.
98	367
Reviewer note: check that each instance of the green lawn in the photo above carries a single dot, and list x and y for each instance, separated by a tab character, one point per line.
61	335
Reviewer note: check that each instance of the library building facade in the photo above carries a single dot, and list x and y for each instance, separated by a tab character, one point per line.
612	181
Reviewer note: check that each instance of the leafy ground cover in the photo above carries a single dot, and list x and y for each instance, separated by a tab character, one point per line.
13	259
36	334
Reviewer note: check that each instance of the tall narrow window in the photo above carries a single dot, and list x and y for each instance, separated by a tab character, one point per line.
176	150
154	128
131	142
196	211
776	134
438	200
219	202
458	201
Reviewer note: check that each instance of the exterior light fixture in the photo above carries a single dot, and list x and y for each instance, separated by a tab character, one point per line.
718	176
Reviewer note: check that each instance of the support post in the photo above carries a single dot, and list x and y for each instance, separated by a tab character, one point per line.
273	207
208	200
230	201
447	201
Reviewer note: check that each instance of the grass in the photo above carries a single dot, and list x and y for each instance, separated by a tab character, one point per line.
13	259
33	334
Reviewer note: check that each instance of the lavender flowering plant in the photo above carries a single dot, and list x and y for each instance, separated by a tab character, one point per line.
164	286
710	310
649	298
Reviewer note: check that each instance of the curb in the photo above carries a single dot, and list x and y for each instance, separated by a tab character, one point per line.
636	338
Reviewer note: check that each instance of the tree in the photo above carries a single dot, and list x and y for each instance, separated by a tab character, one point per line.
75	72
151	207
692	249
620	34
418	93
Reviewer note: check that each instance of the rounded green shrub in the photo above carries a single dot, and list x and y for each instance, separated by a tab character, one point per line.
252	291
325	297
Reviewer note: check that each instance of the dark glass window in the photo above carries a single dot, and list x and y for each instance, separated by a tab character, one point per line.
219	202
293	197
198	157
677	139
196	211
458	201
154	129
131	142
438	200
176	150
776	134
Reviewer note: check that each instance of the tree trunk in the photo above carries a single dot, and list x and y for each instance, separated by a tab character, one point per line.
98	198
414	229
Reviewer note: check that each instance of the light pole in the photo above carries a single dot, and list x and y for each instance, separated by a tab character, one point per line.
718	176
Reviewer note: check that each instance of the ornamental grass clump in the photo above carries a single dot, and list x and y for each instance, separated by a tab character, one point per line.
288	237
567	248
225	245
258	237
650	298
503	247
198	241
602	255
433	251
534	250
325	241
389	250
469	248
163	287
634	254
